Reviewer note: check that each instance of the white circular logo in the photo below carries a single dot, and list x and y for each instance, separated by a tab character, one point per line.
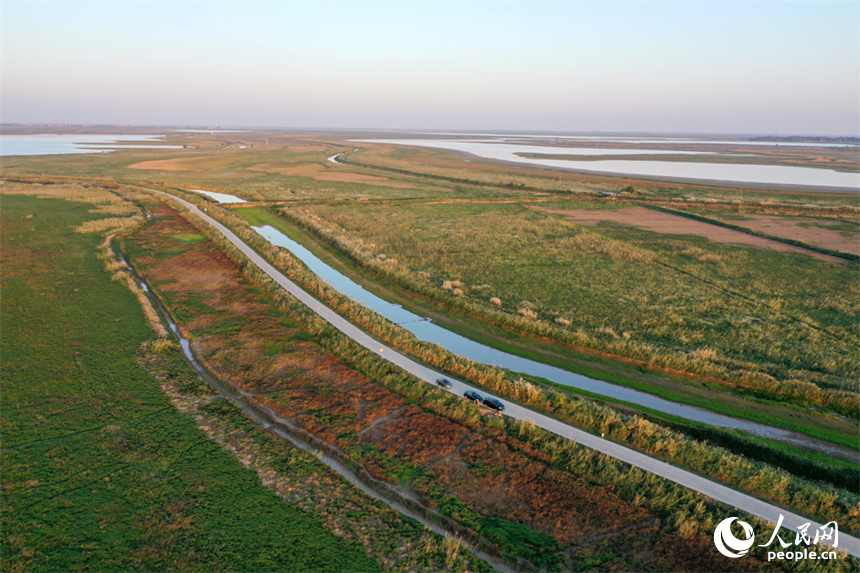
728	544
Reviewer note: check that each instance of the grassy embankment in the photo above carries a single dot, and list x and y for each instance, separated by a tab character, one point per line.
99	470
605	321
501	480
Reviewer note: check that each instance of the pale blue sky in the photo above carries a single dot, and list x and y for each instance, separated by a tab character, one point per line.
720	67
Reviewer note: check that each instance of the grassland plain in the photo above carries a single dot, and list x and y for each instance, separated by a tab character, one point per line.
99	470
291	152
481	473
292	169
112	477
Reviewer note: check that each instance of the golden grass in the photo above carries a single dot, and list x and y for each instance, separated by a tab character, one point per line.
67	191
115	224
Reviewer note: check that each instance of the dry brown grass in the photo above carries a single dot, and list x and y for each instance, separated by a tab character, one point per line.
675	225
204	163
323	173
306	148
302	170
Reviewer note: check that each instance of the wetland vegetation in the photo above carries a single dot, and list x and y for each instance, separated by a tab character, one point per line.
507	255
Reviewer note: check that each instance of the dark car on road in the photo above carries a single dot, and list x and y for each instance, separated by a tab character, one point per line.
443	383
473	396
494	404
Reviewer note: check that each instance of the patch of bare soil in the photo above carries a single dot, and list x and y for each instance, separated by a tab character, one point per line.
321	173
809	230
676	225
306	148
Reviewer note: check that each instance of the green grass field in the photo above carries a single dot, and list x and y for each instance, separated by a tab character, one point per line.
694	304
100	472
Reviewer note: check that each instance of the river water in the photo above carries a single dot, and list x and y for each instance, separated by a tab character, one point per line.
66	143
780	175
427	331
220	197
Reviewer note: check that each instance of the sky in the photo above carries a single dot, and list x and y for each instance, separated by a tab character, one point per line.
668	67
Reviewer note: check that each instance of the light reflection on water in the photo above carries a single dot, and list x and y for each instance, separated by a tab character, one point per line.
220	197
724	172
61	144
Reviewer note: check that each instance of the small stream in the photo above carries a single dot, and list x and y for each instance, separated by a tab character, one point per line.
425	330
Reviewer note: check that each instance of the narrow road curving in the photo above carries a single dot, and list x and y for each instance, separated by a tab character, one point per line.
742	502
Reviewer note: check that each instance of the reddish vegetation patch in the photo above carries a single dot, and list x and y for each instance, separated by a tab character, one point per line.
525	489
676	225
418	436
806	229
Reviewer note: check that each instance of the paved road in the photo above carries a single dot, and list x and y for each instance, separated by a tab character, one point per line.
743	502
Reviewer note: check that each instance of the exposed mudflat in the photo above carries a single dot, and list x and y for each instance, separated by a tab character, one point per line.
667	223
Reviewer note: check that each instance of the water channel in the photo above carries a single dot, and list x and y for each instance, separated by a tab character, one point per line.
427	331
